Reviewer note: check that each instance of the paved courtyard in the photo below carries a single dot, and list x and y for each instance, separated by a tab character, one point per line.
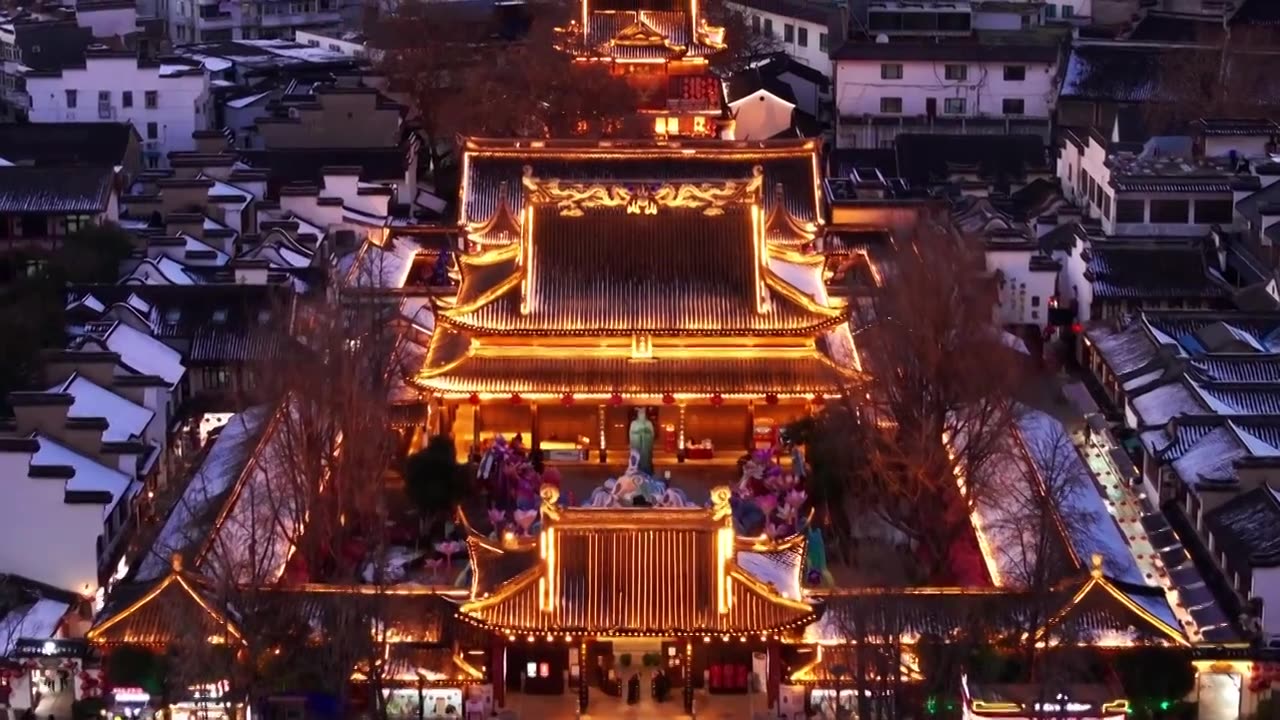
561	707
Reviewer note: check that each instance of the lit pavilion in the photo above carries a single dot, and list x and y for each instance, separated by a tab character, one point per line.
661	47
605	277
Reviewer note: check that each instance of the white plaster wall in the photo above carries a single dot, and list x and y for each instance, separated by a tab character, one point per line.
859	88
811	54
1266	585
760	116
181	102
1074	286
42	537
1020	286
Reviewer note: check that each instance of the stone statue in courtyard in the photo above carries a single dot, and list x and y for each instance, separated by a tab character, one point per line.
641	436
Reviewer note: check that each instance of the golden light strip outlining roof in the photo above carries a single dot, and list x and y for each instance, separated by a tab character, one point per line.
94	634
795	295
744	150
1097	579
503	224
234	497
787	254
782	222
487	297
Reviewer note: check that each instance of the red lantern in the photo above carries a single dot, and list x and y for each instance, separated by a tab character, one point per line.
615	399
1077	328
474	398
771	398
668	399
717	399
516	399
566	399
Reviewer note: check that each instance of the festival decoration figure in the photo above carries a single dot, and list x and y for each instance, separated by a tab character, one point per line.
641	437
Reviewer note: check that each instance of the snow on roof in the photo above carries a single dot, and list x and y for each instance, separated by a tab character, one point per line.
999	516
1256	446
91	475
1013	342
213	64
1211	459
90	302
221	468
247	100
160	271
144	353
138	304
417	308
174	70
195	244
126	420
1143	379
781	575
224	189
383	266
1157	605
256	536
1123	350
306	227
805	278
38	621
1157	406
1089	525
211	224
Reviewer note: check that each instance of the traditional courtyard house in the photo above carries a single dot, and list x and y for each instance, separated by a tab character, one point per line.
663	53
1106	278
165	101
1201	390
73	492
930	69
1150	190
41	205
531	277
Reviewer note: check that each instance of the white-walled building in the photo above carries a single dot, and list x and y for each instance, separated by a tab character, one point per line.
192	21
1165	188
932	69
800	27
166	102
66	498
762	107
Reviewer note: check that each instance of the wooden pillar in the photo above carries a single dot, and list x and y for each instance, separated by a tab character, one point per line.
688	677
680	429
475	434
498	671
602	424
751	425
774	670
534	436
584	682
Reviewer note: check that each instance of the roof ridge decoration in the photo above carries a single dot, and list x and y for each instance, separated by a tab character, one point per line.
783	228
502	228
642	197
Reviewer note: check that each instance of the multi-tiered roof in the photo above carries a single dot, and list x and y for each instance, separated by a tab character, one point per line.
640	268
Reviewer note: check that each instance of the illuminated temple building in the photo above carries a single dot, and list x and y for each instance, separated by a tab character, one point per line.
605	278
661	47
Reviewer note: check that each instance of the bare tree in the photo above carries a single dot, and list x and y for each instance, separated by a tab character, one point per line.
744	44
936	403
1217	77
459	78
